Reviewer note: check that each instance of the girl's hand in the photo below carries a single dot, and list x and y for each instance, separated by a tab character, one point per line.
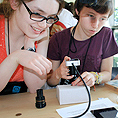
88	77
33	61
63	71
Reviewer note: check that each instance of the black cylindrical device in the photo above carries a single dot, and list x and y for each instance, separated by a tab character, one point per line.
40	99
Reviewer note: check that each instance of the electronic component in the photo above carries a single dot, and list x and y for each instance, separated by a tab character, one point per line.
105	113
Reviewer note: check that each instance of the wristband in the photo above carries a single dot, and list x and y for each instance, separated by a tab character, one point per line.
97	75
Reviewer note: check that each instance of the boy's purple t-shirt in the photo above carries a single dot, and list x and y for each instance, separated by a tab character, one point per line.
103	45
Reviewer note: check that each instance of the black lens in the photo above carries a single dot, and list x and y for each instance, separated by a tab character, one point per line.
40	99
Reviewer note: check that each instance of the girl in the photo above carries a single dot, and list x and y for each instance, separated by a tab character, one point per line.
89	41
23	48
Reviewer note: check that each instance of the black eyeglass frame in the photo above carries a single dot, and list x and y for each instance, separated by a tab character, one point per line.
44	18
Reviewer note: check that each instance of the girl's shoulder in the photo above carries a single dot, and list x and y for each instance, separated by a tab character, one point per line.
61	36
64	32
106	29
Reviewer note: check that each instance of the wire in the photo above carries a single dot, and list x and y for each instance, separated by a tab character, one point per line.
87	92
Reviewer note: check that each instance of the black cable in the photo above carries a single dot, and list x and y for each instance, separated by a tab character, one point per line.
87	92
72	41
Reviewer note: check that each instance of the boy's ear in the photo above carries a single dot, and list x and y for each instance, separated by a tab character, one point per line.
14	4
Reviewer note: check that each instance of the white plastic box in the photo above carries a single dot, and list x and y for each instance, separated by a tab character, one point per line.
67	94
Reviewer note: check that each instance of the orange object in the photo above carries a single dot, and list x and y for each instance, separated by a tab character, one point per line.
56	27
94	88
18	74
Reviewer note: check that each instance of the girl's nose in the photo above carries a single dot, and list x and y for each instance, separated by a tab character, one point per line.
42	24
95	23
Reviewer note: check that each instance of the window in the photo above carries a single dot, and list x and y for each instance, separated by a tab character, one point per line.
116	13
115	60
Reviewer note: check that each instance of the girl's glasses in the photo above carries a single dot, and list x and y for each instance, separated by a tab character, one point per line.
39	18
